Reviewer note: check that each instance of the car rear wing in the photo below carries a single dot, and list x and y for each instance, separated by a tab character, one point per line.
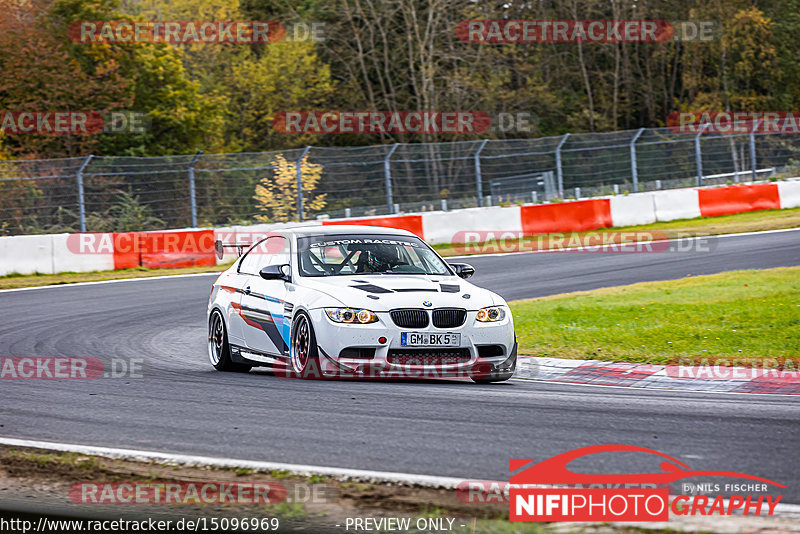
219	247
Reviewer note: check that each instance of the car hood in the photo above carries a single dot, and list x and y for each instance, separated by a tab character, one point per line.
386	292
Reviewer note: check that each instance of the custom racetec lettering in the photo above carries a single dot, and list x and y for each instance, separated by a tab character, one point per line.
363	241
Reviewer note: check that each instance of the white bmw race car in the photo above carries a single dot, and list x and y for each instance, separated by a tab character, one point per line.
356	301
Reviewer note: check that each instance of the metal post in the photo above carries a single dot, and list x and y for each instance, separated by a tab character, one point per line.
753	150
634	170
192	199
387	177
81	199
300	183
698	155
559	173
478	177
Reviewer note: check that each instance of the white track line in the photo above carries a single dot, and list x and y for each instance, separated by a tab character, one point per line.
189	460
302	470
638	243
97	282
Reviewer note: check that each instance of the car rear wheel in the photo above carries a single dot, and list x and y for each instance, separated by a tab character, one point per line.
219	351
304	354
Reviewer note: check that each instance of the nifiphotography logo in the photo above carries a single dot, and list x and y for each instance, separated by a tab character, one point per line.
549	491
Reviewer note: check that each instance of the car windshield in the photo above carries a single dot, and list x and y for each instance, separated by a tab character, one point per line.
367	254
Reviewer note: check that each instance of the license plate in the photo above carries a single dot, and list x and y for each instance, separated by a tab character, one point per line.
419	339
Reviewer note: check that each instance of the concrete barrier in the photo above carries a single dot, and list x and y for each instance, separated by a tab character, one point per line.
726	200
412	223
250	234
82	253
26	254
676	204
96	252
440	227
634	209
566	216
789	193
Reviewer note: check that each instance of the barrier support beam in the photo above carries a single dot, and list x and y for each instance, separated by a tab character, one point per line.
192	198
478	176
81	196
300	183
559	173
387	178
634	167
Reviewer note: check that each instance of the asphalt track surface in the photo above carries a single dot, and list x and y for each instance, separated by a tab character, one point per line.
181	405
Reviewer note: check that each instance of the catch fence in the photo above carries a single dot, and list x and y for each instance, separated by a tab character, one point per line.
116	193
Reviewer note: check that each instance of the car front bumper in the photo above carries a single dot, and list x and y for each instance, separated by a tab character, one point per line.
486	351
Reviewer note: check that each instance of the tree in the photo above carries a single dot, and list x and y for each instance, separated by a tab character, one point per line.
276	195
43	70
286	77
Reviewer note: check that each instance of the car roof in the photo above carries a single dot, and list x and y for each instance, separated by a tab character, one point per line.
346	229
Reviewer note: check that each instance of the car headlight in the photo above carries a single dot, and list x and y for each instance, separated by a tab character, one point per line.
491	314
351	315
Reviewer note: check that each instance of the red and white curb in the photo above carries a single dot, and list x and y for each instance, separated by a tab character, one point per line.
710	378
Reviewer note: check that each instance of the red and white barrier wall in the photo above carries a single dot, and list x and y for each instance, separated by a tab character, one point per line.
57	253
591	214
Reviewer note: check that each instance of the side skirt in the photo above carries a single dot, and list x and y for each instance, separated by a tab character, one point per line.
257	358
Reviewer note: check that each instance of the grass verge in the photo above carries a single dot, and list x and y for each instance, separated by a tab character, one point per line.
743	315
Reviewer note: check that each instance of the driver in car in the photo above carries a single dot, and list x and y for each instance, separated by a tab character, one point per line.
377	258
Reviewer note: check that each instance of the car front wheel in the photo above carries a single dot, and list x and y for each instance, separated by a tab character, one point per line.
304	353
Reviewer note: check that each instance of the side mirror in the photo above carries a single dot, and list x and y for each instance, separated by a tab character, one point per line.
463	270
276	272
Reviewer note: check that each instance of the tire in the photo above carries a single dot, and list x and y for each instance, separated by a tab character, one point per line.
219	350
304	354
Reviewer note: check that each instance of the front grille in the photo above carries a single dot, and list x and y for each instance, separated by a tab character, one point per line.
449	317
410	318
428	356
